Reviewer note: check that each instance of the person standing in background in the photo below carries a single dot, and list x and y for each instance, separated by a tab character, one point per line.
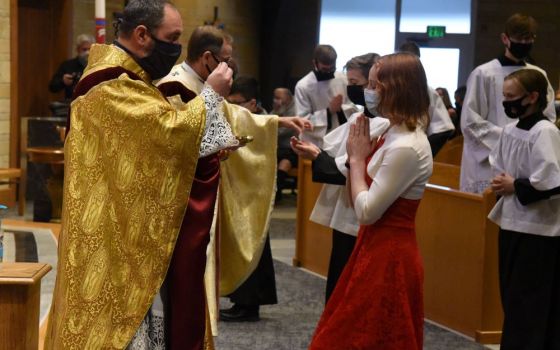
483	116
321	95
70	71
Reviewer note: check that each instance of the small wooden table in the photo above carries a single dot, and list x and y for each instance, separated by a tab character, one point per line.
15	176
20	295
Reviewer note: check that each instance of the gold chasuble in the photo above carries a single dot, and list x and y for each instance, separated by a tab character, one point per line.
130	159
247	188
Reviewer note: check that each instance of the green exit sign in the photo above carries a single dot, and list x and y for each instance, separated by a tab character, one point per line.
436	31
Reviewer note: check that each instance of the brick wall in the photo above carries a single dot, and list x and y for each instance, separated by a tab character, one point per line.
492	15
4	82
240	18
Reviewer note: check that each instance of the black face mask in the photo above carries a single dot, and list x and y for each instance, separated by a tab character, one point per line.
162	58
356	95
514	109
322	76
520	50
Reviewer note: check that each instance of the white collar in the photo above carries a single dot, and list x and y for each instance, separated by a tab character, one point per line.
189	70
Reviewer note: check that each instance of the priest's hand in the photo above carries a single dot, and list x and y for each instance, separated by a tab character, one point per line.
304	149
359	146
298	124
502	184
221	79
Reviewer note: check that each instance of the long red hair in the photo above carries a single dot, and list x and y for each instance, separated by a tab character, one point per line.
403	89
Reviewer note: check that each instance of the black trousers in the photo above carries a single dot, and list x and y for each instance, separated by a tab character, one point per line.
342	247
530	291
438	140
260	287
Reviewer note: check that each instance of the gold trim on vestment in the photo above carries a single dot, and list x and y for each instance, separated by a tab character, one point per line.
130	160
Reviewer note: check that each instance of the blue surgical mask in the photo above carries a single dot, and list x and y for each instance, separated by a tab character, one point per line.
372	99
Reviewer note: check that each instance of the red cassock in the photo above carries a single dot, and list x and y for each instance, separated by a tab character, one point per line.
186	312
377	302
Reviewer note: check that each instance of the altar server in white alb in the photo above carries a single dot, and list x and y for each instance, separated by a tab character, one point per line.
320	96
526	162
483	116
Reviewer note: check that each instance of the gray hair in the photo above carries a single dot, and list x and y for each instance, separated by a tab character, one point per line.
141	12
84	38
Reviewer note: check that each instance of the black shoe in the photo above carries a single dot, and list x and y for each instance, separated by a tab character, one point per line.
240	313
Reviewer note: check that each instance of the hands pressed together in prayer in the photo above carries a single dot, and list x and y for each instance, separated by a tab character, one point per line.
358	145
502	184
335	105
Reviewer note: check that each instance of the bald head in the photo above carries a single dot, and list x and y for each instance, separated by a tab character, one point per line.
282	98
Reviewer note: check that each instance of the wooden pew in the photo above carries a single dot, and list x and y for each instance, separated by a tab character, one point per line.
20	292
451	152
313	241
459	246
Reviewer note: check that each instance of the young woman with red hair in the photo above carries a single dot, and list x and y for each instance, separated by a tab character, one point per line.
377	303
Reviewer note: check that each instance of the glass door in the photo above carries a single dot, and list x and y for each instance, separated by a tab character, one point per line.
357	27
442	29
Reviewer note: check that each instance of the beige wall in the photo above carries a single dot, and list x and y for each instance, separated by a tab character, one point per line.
240	18
4	82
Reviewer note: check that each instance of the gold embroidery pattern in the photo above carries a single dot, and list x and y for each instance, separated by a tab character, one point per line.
120	216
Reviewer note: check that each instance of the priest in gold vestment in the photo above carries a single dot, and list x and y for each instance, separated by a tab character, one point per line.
130	162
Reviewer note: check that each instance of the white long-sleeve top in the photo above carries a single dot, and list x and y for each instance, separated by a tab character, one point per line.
333	207
483	118
401	167
312	99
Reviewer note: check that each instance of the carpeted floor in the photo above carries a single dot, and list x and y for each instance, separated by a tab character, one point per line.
290	324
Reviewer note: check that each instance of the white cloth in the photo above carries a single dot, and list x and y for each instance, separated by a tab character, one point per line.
535	155
401	167
440	121
184	74
482	120
333	208
312	99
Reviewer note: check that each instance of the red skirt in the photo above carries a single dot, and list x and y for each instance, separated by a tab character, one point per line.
377	302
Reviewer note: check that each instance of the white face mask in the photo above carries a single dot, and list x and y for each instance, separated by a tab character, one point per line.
372	101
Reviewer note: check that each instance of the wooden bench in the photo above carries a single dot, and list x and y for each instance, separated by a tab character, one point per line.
9	176
459	246
313	241
20	292
451	152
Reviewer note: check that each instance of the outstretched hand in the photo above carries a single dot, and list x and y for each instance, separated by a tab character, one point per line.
221	79
298	124
304	149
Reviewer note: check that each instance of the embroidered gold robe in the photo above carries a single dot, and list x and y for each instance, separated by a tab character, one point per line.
130	159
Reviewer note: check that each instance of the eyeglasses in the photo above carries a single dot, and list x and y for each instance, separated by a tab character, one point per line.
226	61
